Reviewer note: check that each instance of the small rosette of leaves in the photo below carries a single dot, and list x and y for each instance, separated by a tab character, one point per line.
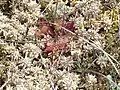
47	28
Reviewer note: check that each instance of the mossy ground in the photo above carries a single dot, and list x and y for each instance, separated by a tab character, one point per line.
80	66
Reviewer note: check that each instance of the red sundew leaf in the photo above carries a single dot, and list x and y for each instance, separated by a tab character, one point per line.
44	29
49	47
62	39
41	31
70	26
51	31
60	44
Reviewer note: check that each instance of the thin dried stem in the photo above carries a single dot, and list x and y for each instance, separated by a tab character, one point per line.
94	45
47	6
110	80
1	88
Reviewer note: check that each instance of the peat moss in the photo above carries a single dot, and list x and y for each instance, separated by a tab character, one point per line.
113	30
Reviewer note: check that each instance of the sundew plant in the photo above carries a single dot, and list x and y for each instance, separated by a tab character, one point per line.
59	44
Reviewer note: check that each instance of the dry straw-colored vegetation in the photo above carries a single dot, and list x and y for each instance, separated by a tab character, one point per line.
59	44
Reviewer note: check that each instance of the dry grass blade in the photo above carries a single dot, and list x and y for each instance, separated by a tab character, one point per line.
1	88
94	45
100	74
106	54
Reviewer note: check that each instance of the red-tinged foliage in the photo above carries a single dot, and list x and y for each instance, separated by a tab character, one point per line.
41	21
49	46
60	44
70	26
51	31
42	30
45	28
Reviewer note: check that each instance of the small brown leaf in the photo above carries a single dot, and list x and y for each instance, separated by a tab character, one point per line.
62	42
70	26
49	46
